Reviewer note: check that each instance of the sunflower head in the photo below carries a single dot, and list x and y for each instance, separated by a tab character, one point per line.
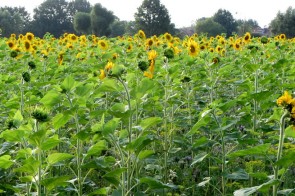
247	37
103	44
102	74
168	37
282	36
10	44
27	45
285	100
193	48
152	55
40	115
141	34
29	36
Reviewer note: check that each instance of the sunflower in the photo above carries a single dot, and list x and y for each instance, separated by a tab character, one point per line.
115	56
141	34
237	45
149	42
102	74
211	49
27	46
103	44
247	37
29	36
148	74
218	48
10	44
168	37
13	36
193	48
203	47
60	58
109	66
282	36
285	99
129	48
73	37
152	55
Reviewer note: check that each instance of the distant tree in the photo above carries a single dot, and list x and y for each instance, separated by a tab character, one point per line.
226	19
52	16
78	6
131	28
246	26
14	20
101	19
153	18
118	28
82	23
284	23
209	27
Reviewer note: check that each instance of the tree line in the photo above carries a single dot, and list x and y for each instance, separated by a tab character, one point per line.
79	16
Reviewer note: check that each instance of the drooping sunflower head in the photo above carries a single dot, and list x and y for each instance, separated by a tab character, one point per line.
129	48
102	74
141	34
193	48
29	36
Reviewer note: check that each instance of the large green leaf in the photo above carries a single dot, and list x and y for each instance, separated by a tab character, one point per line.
108	85
257	150
60	120
154	183
203	121
5	161
290	132
51	98
50	143
51	183
110	126
58	157
114	176
287	159
263	187
97	148
148	122
68	84
199	158
238	175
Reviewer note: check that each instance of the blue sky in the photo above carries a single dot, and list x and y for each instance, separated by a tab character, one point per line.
184	12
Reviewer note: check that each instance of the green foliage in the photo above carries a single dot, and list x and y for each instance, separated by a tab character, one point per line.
82	22
226	19
209	27
284	23
101	19
153	18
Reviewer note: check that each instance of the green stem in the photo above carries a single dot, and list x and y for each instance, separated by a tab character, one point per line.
129	129
280	149
39	158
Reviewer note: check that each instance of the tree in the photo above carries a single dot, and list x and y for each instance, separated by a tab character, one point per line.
153	18
14	20
78	6
226	19
245	26
209	27
82	23
284	23
52	16
118	28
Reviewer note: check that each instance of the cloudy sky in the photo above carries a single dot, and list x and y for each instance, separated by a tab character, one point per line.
184	12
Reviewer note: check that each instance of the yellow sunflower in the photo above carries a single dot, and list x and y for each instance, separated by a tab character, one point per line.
102	74
282	36
237	45
10	44
103	44
129	48
193	48
141	34
168	37
285	99
27	46
152	55
29	36
149	42
247	37
109	66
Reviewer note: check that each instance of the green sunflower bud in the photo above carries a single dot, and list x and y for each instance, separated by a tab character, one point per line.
264	40
26	76
143	65
13	54
40	115
32	65
169	53
185	79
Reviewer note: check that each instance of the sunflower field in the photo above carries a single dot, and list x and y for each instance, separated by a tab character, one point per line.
137	115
